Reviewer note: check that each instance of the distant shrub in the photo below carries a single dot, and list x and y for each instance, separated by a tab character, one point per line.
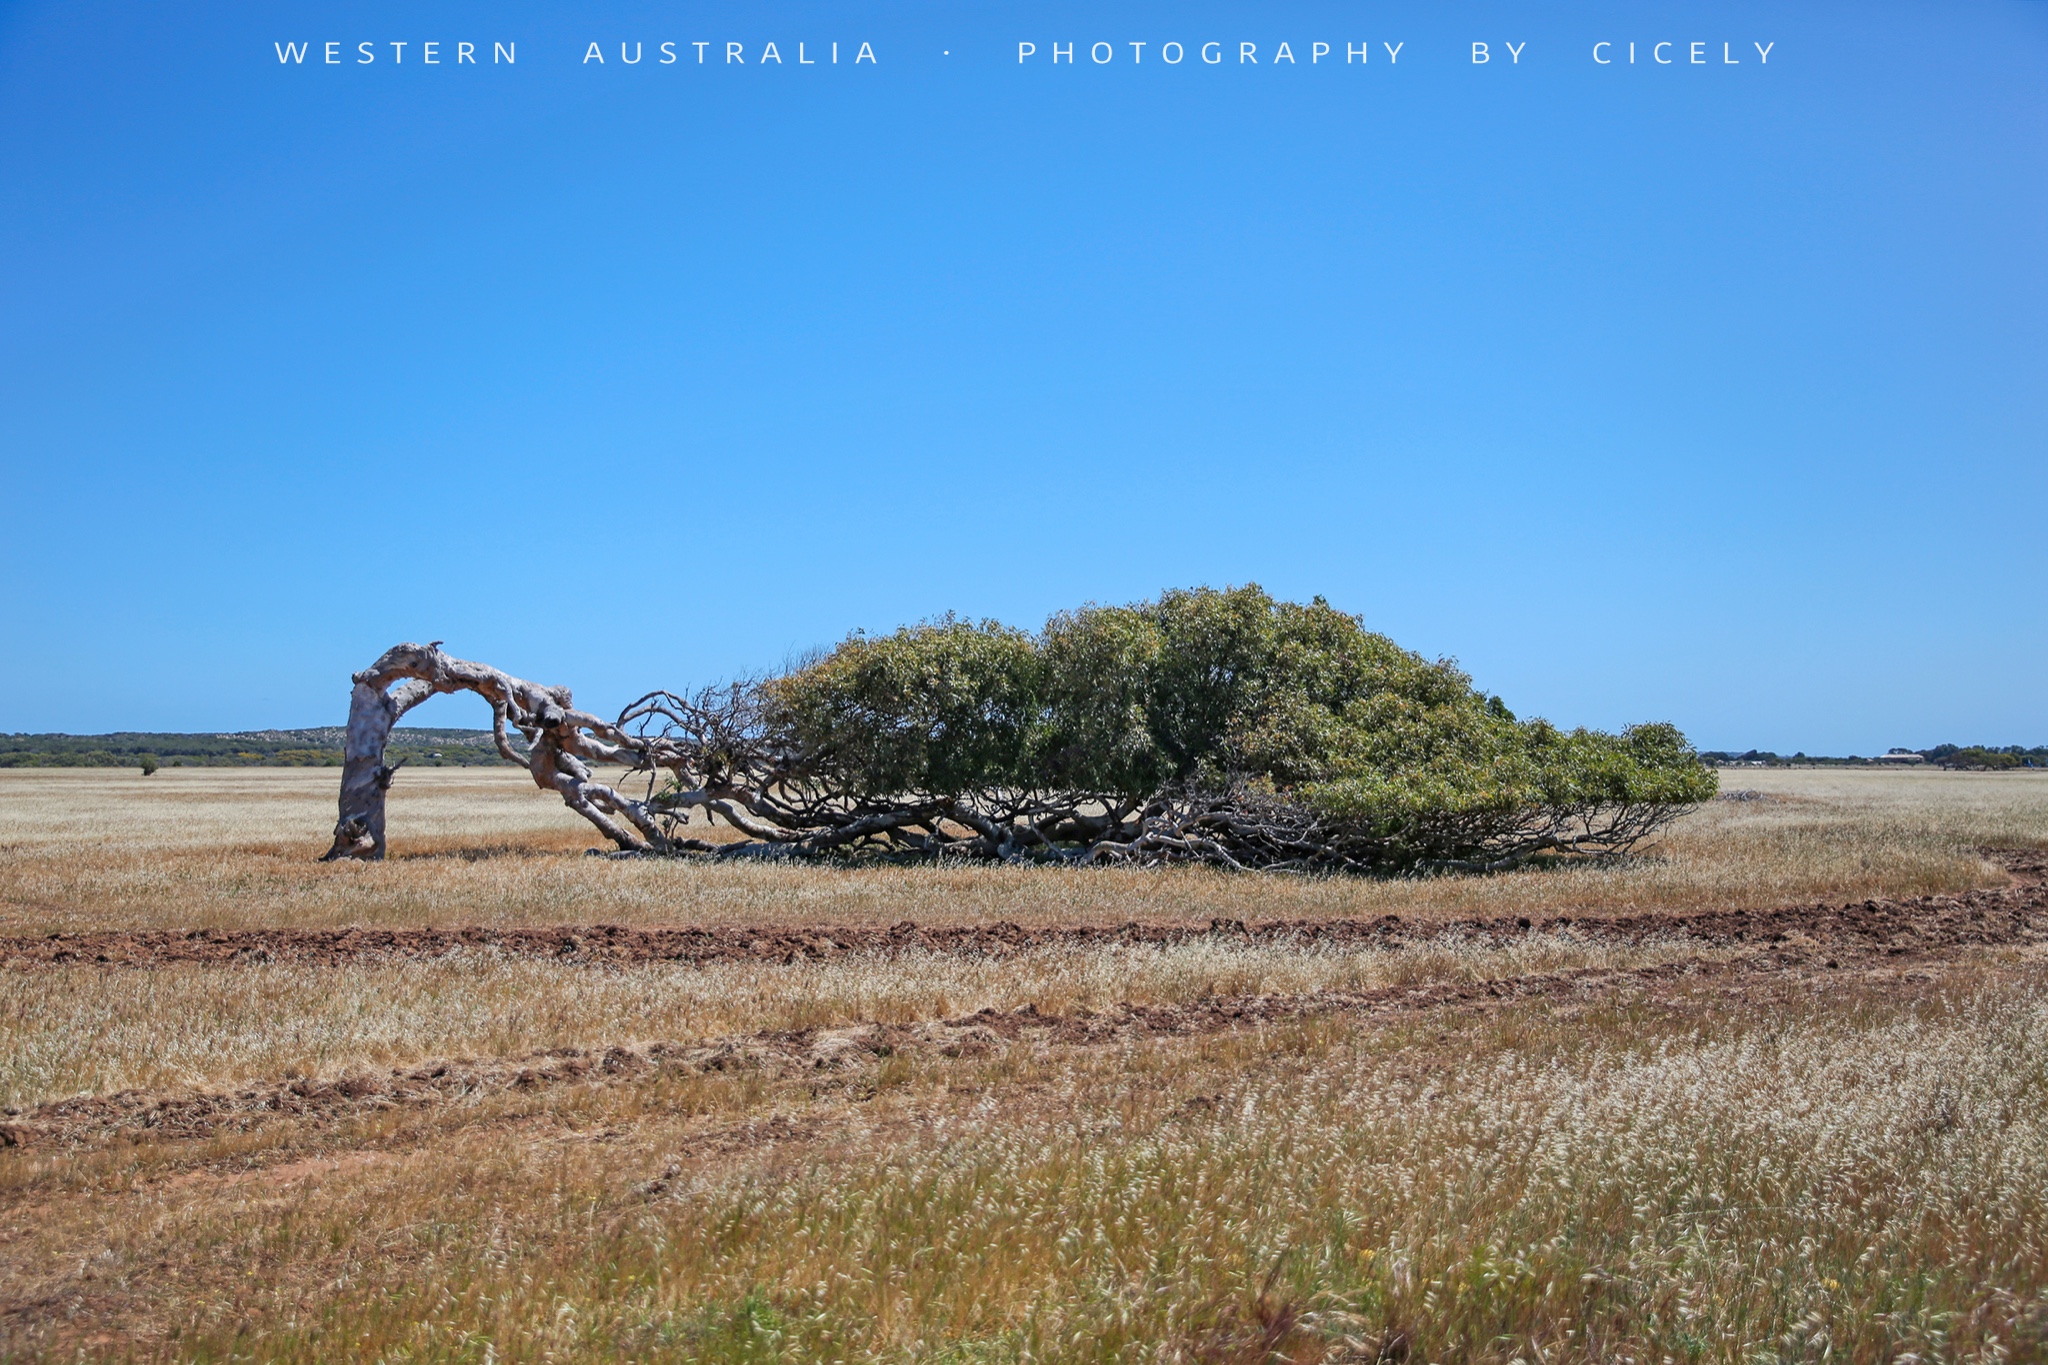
148	764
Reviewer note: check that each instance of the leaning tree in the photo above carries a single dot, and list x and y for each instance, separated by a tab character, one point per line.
1217	727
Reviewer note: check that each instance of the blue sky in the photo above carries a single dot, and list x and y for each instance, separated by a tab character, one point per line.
1704	392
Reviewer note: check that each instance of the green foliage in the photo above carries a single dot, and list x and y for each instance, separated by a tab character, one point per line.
946	707
148	763
1212	692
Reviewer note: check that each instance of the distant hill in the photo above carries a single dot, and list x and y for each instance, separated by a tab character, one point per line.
317	748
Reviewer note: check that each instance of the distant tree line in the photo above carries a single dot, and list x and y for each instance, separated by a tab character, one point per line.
313	748
1970	757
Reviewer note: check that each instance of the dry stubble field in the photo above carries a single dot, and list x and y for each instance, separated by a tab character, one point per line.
494	1100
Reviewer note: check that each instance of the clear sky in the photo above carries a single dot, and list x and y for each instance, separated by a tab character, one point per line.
1714	391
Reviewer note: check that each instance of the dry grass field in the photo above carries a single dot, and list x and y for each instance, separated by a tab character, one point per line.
1660	1110
213	848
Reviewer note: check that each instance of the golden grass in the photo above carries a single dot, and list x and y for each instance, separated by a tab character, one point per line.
1733	1171
1858	1174
214	848
89	1030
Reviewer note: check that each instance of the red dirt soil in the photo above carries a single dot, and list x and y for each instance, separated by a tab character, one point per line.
1985	916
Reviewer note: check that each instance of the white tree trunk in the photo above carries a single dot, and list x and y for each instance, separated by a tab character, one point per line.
559	751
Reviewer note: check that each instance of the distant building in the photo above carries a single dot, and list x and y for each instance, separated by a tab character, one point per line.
1900	756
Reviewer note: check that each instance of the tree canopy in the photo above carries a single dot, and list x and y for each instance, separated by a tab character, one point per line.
1222	727
1284	732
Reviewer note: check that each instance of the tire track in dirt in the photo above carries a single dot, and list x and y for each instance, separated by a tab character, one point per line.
1772	942
189	1114
2001	915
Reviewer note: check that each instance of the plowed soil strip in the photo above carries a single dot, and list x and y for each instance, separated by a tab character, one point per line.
2004	915
171	1115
